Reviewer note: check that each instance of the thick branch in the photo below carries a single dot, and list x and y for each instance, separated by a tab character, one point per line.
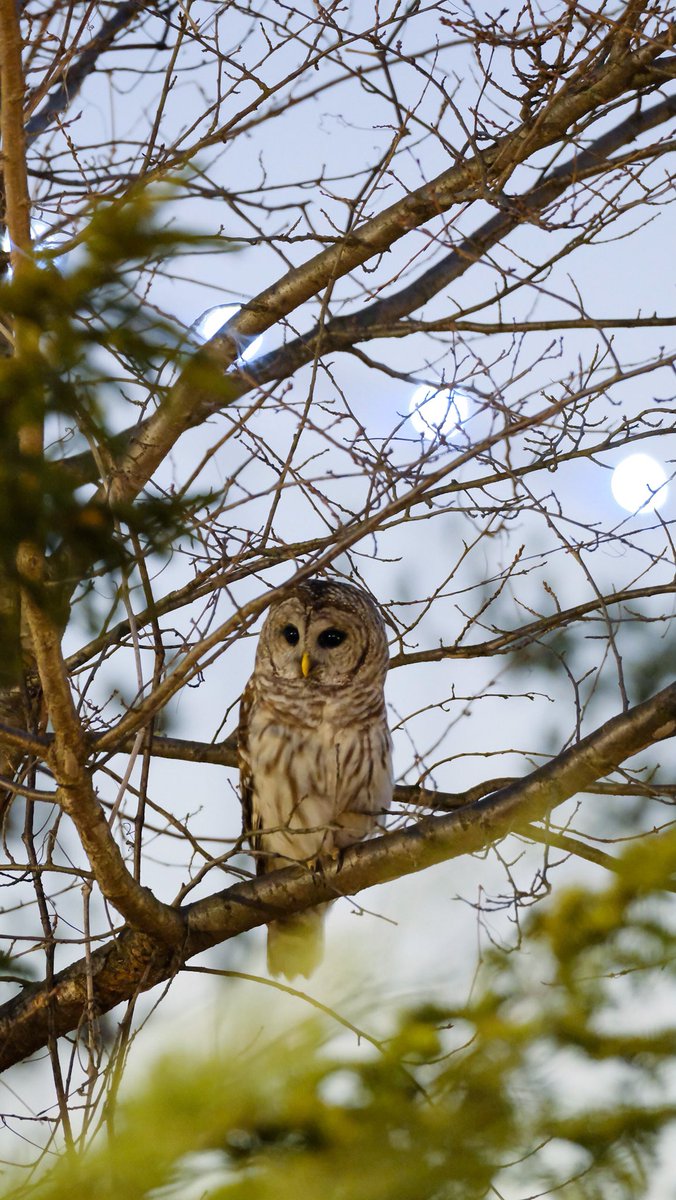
67	758
341	333
15	187
19	739
468	179
68	754
135	962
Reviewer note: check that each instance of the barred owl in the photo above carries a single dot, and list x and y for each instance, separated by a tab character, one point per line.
314	747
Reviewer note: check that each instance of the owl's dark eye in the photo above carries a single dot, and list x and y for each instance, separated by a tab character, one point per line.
291	634
329	638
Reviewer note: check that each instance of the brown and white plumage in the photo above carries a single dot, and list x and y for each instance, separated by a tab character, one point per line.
314	747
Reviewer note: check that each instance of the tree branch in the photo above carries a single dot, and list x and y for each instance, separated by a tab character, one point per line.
192	397
524	635
136	962
341	333
573	846
453	325
74	74
67	758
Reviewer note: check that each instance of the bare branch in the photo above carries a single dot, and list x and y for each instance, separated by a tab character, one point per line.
381	318
73	73
67	759
524	635
190	401
134	961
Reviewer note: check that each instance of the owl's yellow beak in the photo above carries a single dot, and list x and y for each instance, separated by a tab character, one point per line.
305	664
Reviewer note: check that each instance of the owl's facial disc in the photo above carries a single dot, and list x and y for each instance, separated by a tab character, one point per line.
323	645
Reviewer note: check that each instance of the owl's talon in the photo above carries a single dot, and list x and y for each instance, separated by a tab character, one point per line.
336	855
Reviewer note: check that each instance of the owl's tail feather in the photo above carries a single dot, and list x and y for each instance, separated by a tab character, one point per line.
296	944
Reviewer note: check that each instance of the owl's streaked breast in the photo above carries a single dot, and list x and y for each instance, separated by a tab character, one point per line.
322	785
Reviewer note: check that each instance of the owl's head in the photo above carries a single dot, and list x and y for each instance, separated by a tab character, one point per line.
323	633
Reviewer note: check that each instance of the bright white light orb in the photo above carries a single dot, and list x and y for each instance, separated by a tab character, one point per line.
437	412
214	319
639	483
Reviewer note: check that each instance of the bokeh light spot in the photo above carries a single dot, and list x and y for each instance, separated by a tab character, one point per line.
437	412
215	318
639	482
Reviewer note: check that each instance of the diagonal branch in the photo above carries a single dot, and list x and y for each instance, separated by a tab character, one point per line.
74	73
380	317
67	758
485	173
136	962
68	753
342	332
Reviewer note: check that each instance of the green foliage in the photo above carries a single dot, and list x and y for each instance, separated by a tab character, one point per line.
93	342
540	1082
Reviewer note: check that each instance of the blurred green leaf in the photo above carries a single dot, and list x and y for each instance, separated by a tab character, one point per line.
79	313
540	1083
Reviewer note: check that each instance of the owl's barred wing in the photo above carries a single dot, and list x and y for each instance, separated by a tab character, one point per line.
250	822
